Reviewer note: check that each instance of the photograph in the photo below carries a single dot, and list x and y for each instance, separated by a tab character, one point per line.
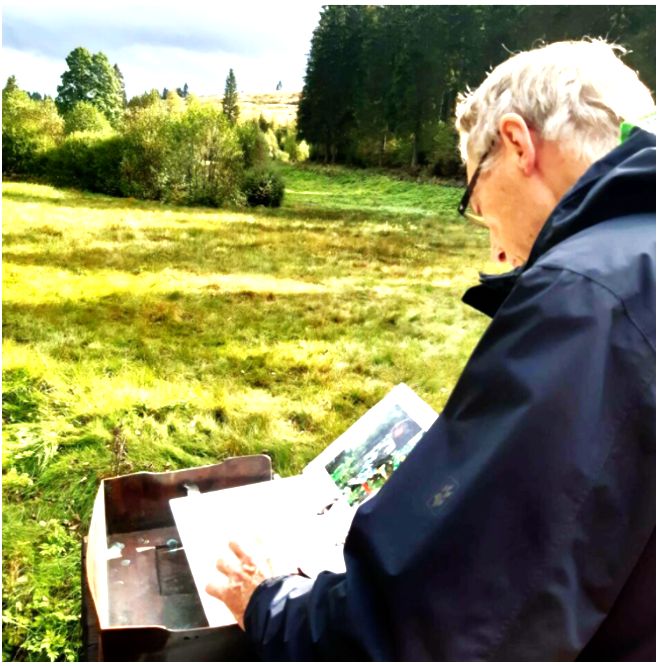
363	468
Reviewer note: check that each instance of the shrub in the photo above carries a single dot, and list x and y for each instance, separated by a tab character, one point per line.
29	129
297	152
253	143
264	125
204	161
274	151
263	187
87	160
184	154
85	117
145	151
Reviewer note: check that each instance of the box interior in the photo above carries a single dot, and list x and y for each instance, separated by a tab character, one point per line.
137	571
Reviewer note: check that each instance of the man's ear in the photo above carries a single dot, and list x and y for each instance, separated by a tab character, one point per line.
517	141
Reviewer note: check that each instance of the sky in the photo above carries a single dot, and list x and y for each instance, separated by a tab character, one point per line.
161	43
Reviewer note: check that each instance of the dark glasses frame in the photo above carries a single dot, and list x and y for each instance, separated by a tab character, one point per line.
465	201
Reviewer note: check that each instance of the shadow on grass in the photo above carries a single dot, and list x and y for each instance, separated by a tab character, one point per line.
183	328
294	253
339	210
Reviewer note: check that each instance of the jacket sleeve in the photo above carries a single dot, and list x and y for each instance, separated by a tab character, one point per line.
512	526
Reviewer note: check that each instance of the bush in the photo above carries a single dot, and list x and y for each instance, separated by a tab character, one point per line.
297	152
85	117
89	161
263	187
253	143
29	129
145	152
204	160
274	150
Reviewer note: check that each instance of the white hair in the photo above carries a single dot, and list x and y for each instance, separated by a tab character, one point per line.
574	92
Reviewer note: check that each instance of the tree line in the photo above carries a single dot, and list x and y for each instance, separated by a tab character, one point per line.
170	147
381	81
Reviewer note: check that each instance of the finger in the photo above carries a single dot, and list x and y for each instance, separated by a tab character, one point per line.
241	554
223	567
217	591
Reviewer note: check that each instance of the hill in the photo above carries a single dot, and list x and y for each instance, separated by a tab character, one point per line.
278	107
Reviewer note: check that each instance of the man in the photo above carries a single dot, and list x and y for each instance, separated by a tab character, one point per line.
522	526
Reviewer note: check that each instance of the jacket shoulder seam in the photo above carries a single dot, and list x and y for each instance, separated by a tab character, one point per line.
610	291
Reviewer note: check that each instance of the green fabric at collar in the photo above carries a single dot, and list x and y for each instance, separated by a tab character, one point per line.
646	122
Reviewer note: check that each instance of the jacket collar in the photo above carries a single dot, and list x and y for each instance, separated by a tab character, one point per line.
621	183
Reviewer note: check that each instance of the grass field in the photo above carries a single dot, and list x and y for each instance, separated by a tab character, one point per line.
139	336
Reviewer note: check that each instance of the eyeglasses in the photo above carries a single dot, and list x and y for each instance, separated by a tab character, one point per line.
465	201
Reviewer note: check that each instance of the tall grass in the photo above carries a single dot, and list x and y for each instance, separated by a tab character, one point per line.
139	336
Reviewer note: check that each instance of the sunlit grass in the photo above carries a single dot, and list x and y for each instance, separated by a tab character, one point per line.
193	334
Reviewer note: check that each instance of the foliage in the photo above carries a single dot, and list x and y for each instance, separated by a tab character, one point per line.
298	151
199	334
29	129
380	79
274	150
85	117
42	620
204	161
230	99
91	78
444	155
122	85
144	100
263	186
253	143
333	80
87	160
185	155
145	151
11	85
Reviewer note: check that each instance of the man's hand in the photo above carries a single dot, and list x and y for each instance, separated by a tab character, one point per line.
243	577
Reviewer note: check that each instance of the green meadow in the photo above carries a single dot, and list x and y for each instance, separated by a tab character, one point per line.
141	336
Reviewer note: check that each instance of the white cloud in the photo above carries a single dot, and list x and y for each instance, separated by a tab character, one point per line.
162	44
35	73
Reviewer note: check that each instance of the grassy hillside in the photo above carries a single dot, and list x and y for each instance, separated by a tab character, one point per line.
139	336
278	107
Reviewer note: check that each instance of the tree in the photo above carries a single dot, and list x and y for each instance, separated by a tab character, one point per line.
381	81
165	93
327	112
10	86
183	92
230	99
77	81
90	78
144	100
85	117
122	85
29	129
278	86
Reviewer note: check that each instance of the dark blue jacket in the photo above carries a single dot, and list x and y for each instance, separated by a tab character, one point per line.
522	525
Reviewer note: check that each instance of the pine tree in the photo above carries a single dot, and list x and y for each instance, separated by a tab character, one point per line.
11	85
333	89
122	85
230	99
